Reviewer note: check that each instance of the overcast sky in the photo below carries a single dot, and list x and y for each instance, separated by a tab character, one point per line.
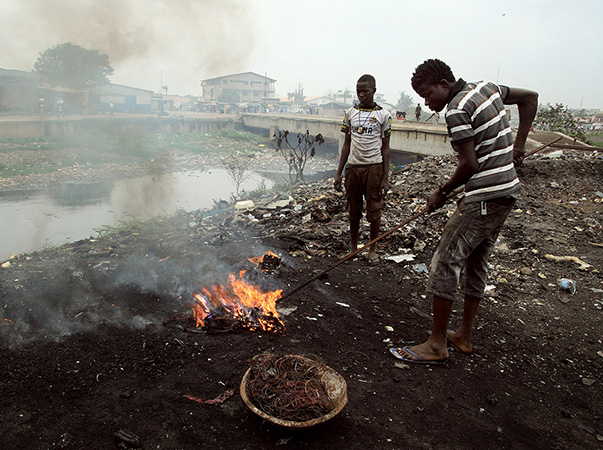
551	46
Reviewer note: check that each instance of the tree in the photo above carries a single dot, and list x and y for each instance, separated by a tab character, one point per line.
73	66
297	154
559	118
404	102
297	96
237	172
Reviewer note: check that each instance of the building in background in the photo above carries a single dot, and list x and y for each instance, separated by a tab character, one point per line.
246	87
124	99
19	91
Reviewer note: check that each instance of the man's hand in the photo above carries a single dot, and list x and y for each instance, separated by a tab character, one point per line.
337	183
383	188
518	156
435	201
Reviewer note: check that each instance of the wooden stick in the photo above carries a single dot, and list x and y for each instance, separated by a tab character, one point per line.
542	146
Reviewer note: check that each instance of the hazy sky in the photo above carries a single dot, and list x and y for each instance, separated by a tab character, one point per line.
552	46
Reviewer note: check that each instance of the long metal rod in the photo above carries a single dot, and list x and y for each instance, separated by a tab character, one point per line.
384	235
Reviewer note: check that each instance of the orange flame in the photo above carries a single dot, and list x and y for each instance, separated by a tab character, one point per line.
260	259
242	301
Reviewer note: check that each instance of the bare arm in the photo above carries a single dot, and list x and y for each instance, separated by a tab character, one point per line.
343	159
527	104
466	168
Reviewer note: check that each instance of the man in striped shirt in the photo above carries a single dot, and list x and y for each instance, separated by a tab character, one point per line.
487	155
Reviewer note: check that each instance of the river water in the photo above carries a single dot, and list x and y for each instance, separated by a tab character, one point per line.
36	219
33	220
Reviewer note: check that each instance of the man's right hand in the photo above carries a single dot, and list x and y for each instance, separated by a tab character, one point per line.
337	183
435	201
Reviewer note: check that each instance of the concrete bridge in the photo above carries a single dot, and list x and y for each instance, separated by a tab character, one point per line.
413	137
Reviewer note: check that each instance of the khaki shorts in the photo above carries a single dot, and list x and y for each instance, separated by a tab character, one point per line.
466	243
364	182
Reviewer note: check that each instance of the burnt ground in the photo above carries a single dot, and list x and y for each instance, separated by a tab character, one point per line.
96	337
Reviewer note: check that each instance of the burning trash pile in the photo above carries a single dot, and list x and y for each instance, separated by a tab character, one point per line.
268	262
238	304
293	389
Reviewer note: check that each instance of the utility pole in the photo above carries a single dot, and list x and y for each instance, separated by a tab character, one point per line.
265	88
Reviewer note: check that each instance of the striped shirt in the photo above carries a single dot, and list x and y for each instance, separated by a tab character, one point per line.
477	113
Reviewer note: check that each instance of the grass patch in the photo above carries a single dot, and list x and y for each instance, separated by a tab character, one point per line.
127	224
103	147
595	138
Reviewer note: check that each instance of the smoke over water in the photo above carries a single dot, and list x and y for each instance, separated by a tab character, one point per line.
187	40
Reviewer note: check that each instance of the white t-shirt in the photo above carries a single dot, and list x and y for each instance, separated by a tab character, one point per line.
367	127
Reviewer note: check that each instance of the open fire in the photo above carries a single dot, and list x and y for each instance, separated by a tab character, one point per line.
267	262
238	304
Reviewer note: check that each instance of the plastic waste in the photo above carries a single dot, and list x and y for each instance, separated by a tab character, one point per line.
567	285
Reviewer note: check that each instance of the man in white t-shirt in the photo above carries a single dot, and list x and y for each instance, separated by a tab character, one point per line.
366	152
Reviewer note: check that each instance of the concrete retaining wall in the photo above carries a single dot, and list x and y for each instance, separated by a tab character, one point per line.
118	125
406	137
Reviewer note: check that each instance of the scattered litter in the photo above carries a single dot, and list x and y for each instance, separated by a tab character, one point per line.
401	258
280	203
245	205
553	155
128	438
420	313
345	305
5	265
401	365
219	399
567	285
420	268
388	328
287	310
583	265
588	381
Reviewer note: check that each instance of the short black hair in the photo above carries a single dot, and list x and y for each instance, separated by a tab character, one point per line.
366	78
431	72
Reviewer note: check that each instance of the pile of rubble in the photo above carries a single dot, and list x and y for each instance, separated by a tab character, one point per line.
560	196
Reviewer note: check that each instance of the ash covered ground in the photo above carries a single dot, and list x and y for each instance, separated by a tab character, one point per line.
96	335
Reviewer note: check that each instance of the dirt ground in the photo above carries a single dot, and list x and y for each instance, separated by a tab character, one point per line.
96	335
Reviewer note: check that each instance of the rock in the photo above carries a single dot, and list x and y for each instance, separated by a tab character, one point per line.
525	271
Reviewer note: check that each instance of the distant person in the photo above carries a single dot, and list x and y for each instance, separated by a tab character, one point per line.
41	102
365	152
418	112
59	108
436	118
111	108
481	137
